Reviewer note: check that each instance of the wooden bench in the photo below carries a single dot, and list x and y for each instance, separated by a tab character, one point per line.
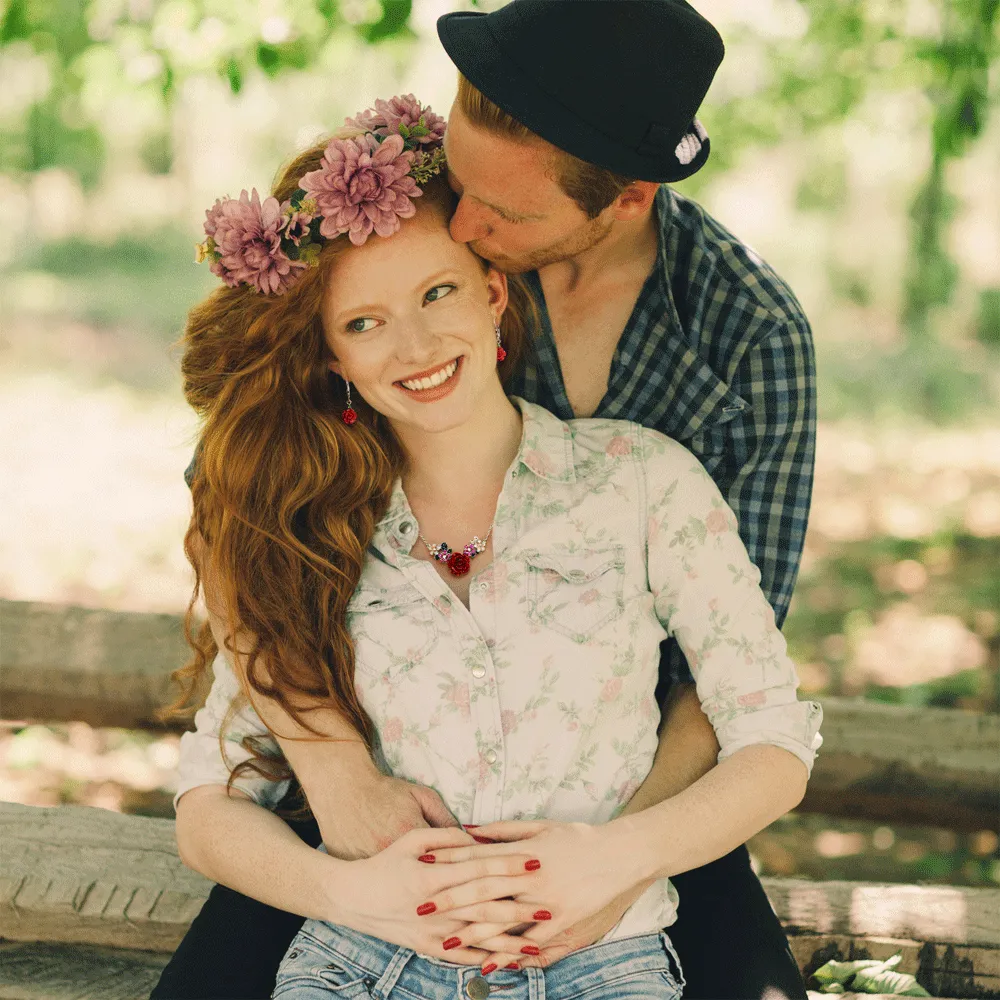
92	903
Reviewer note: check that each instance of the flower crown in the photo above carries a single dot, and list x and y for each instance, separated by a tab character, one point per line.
371	169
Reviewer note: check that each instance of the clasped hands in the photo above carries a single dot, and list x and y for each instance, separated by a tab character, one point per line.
539	891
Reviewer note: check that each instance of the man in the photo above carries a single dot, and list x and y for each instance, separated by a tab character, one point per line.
570	114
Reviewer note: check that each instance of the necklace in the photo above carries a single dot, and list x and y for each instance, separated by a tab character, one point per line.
457	562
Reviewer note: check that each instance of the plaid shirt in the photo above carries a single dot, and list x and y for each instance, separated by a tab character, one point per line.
717	355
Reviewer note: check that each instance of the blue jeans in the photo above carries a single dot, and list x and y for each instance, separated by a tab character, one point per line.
327	961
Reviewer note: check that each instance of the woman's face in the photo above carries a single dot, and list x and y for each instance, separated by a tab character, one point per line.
410	320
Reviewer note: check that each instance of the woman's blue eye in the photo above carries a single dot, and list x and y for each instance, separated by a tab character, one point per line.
436	292
358	325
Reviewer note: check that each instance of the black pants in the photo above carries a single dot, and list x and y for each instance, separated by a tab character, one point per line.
729	940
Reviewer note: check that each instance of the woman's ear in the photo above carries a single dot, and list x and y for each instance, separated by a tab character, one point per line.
335	366
496	287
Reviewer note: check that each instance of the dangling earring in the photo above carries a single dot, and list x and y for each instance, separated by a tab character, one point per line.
501	353
349	416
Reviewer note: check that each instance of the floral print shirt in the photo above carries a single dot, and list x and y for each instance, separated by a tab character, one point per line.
537	701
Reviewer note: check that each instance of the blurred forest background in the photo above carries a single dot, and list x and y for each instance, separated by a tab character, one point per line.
855	145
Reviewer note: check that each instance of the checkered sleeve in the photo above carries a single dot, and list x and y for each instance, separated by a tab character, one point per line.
766	475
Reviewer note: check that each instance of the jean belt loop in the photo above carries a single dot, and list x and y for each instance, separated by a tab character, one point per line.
393	971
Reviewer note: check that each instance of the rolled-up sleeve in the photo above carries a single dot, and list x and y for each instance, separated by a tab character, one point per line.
707	595
201	756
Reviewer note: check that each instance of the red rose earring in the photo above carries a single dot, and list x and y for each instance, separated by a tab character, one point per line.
501	353
349	416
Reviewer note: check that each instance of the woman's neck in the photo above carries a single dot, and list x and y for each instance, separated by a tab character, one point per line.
467	459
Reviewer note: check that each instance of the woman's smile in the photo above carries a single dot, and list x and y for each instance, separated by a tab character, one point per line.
433	383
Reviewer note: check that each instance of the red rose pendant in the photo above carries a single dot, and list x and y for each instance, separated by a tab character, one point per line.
458	564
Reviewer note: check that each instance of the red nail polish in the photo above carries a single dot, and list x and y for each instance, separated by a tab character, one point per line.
487	969
481	840
452	942
513	965
424	908
428	859
541	915
471	826
530	949
533	865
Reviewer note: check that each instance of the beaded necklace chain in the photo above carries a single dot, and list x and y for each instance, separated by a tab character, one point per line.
457	562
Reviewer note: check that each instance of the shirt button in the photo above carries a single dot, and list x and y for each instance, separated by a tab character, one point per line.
406	527
491	756
479	671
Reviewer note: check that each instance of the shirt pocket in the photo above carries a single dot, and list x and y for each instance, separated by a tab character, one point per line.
575	593
394	629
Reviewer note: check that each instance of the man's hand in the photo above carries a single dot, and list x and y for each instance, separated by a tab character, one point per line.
366	816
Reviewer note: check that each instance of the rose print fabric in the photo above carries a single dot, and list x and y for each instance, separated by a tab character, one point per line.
537	701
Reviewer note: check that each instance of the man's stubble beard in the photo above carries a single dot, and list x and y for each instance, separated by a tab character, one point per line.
588	236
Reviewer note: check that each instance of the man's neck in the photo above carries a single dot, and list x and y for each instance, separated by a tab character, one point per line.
629	246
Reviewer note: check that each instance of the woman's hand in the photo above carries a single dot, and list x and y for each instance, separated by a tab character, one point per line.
403	895
587	878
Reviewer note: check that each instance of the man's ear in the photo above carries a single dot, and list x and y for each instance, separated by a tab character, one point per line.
635	200
496	286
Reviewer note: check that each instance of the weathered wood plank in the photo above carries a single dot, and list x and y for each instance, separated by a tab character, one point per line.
42	971
883	762
80	875
108	668
939	914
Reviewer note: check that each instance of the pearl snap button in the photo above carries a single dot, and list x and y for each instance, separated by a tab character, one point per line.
479	671
406	527
491	756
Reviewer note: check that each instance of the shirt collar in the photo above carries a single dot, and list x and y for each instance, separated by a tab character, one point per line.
546	450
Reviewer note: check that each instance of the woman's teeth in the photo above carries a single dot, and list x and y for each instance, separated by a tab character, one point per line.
442	375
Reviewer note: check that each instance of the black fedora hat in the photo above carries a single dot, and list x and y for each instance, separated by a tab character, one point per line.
614	82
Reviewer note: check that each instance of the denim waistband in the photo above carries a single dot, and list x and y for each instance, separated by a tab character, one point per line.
385	967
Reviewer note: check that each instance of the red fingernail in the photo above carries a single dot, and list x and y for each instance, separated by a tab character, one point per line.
530	949
471	826
428	859
513	965
533	865
424	908
542	915
487	969
451	943
481	840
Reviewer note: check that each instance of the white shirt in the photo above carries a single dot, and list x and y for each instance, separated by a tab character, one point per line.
537	701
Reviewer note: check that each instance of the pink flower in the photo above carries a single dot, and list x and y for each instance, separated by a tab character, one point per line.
717	521
247	238
611	689
407	111
392	731
589	596
618	447
365	121
508	721
752	700
363	186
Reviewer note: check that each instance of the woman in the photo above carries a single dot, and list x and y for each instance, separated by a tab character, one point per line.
523	691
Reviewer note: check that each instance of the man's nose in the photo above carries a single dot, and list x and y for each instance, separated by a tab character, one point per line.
468	223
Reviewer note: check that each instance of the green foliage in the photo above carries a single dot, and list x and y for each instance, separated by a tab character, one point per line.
868	976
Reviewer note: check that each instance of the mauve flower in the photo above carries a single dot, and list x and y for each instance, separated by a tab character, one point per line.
247	238
406	110
365	121
363	186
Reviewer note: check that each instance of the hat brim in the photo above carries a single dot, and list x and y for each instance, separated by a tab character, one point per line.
466	37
